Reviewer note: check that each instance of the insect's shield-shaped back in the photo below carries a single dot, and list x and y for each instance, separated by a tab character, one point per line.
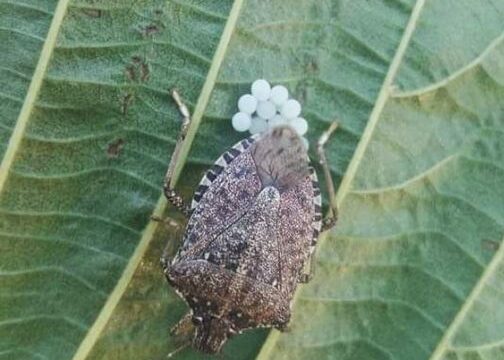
253	223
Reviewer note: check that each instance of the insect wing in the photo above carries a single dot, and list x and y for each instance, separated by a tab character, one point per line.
250	246
225	194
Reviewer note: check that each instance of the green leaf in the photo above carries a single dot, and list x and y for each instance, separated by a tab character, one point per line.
414	269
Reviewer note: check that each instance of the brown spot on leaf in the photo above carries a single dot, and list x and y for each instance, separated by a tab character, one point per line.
114	148
94	13
138	69
149	30
126	101
130	73
144	72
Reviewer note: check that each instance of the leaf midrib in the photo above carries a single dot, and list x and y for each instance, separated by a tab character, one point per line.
348	177
33	91
385	93
115	296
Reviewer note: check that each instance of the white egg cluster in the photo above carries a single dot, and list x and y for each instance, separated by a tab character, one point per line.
268	107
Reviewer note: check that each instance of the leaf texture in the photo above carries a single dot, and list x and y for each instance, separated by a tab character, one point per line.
414	269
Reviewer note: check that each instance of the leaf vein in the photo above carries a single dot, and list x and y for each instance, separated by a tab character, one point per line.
52	269
446	80
445	342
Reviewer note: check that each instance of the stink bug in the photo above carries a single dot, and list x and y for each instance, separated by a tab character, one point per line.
253	224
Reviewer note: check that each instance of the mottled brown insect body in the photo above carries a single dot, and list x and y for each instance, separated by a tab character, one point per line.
254	221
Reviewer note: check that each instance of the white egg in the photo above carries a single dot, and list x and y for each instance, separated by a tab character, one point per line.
277	120
241	121
300	125
258	125
279	95
266	109
261	90
247	104
291	109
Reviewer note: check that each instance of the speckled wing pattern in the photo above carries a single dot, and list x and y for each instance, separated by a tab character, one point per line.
241	247
224	195
257	211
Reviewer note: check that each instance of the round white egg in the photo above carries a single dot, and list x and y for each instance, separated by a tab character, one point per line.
279	95
258	125
300	125
291	109
247	104
266	109
241	121
277	120
261	90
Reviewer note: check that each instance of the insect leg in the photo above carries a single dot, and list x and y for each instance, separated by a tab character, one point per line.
173	197
184	326
183	332
168	252
332	215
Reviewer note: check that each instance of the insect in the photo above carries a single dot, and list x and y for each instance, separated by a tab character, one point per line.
252	225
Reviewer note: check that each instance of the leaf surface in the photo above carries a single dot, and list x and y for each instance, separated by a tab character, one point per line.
414	269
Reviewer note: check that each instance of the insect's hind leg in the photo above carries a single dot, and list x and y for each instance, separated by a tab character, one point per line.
173	197
332	216
183	330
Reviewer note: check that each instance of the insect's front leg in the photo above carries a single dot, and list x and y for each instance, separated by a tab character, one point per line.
171	194
332	215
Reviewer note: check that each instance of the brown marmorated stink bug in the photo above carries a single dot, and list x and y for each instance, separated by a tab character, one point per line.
252	226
